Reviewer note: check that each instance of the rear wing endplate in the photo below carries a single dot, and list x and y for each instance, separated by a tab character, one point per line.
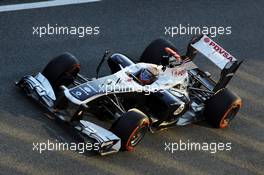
220	57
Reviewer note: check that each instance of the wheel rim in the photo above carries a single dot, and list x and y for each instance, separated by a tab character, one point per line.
229	116
137	137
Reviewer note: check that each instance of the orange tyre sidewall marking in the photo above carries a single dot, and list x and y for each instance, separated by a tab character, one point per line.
128	147
236	104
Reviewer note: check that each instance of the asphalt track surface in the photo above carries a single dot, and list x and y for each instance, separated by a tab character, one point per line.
127	27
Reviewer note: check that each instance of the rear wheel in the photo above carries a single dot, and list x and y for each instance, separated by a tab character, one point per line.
222	108
156	50
131	128
62	70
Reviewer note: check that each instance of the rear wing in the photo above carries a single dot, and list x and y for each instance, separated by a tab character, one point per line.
219	56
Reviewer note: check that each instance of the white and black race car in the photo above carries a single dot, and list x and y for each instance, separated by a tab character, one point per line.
163	90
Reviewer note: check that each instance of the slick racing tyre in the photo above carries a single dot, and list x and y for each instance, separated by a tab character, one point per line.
156	50
131	128
61	70
221	108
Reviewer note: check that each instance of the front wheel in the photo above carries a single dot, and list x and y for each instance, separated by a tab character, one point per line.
222	108
62	70
131	128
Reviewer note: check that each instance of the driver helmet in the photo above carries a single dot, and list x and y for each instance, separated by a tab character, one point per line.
148	75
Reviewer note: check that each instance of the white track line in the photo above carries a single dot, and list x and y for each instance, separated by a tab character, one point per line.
34	5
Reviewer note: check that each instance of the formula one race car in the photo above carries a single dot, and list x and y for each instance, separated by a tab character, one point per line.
163	90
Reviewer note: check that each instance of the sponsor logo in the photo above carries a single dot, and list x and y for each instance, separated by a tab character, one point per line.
178	73
87	89
78	93
219	49
129	80
207	40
